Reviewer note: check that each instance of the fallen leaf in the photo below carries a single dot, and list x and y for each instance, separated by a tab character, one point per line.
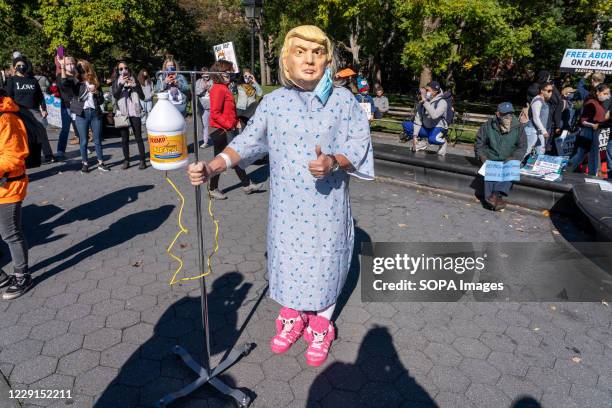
520	229
546	213
468	205
402	225
183	246
576	360
553	307
445	215
603	302
137	264
44	202
536	329
555	232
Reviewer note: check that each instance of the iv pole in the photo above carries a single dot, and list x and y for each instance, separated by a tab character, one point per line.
206	374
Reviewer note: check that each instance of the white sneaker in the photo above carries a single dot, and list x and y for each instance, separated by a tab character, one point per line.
442	149
217	195
251	188
421	144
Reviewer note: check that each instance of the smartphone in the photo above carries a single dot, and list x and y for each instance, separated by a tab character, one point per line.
60	52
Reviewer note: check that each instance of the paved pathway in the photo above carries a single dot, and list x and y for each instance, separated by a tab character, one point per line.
102	317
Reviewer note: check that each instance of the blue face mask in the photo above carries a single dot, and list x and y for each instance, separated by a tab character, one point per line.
171	69
324	87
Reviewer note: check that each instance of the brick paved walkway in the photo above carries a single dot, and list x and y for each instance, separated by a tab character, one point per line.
102	318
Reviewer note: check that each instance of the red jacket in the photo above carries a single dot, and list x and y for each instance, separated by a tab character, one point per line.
222	108
593	111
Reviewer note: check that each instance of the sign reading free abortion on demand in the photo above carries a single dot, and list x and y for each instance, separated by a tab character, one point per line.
577	60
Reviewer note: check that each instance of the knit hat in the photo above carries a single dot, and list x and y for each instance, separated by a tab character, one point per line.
362	85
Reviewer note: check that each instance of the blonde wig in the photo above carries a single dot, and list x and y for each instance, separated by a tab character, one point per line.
307	33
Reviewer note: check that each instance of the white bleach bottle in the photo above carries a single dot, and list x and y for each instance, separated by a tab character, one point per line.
166	134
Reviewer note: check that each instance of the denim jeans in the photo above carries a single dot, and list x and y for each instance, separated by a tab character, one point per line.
89	119
501	187
63	136
146	109
435	136
534	139
12	233
593	151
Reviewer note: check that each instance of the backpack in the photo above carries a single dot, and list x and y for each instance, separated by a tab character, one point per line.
33	129
450	109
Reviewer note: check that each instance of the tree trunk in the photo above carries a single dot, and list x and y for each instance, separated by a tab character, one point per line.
377	72
268	67
454	51
262	60
429	26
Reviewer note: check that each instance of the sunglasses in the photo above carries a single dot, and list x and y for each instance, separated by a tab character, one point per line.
206	76
548	90
19	66
124	69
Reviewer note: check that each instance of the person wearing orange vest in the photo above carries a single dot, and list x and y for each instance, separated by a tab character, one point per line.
13	188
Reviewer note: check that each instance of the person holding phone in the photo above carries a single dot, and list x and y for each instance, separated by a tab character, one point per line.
144	79
88	113
248	92
68	86
128	94
175	84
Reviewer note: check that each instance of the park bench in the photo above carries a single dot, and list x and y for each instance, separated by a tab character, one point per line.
467	119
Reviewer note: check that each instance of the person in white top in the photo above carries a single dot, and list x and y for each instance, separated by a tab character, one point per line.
86	107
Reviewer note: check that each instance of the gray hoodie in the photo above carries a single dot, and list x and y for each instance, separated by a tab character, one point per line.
431	114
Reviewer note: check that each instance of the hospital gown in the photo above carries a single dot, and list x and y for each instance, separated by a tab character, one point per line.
310	226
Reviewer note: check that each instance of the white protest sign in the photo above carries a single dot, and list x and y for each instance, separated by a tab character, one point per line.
604	136
226	52
581	60
367	108
54	110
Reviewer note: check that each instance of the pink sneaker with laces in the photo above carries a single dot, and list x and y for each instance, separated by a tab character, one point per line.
289	327
319	335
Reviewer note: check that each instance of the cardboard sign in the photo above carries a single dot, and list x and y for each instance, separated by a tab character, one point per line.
54	110
604	136
581	60
565	143
500	171
546	167
367	108
226	52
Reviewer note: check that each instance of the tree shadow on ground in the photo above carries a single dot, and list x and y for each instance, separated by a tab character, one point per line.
376	378
117	233
153	371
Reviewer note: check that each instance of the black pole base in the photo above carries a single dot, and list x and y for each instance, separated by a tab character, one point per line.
241	398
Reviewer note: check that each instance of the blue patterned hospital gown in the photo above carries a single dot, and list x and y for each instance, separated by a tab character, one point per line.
310	225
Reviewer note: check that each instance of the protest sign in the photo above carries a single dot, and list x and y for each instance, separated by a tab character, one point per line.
546	167
226	52
581	60
502	171
604	136
367	108
565	143
54	110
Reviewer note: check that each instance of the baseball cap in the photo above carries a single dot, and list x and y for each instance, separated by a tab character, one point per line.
435	85
505	107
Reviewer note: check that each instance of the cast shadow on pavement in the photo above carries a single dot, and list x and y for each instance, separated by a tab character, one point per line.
525	402
376	378
116	234
259	175
153	371
38	231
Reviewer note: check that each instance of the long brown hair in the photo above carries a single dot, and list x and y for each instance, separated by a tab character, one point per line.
141	78
220	66
89	74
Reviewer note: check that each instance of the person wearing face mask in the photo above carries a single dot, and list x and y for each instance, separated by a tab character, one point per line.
501	138
68	85
26	92
430	124
147	89
128	94
224	125
203	85
536	127
594	117
316	135
248	92
175	84
568	117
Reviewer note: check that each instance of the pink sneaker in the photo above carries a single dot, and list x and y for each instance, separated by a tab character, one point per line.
319	335
289	327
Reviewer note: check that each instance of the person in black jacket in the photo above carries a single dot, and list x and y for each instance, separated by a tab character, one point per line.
67	83
128	93
88	113
25	91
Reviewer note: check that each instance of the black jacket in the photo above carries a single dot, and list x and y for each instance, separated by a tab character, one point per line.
117	89
68	88
98	98
26	92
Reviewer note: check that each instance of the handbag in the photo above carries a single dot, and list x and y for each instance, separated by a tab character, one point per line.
77	106
121	120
